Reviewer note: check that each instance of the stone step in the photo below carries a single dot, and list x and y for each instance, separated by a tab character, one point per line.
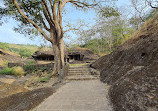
79	67
82	77
78	73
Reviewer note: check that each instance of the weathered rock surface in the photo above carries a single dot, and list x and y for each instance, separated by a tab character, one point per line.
132	71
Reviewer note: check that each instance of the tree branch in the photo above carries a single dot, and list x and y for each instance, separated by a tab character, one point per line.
46	16
54	7
30	21
47	9
150	4
81	4
71	29
45	26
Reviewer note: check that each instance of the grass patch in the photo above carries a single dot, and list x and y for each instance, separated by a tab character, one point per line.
44	79
31	62
7	71
18	71
30	68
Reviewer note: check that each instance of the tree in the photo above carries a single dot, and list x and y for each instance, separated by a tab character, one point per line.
45	17
142	7
111	30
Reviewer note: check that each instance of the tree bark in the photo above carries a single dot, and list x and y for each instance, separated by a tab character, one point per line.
61	46
58	48
57	60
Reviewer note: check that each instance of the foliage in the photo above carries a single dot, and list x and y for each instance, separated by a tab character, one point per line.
29	67
109	12
4	45
19	71
23	52
7	71
106	35
12	71
30	62
21	49
46	79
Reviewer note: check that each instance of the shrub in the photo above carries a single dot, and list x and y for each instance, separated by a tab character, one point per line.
12	71
29	68
18	71
31	62
7	71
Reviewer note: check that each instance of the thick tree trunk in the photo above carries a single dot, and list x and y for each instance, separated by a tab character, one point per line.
58	57
58	48
57	60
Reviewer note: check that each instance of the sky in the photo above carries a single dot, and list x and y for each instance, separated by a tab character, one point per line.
8	35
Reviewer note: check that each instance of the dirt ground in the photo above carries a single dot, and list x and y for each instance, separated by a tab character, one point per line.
25	101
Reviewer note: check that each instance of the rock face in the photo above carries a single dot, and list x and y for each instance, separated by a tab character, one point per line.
132	71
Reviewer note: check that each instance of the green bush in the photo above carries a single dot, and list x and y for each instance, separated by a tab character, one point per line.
7	71
12	71
29	68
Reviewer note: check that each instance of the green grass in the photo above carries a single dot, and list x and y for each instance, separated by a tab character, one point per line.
44	79
7	71
30	68
18	71
21	49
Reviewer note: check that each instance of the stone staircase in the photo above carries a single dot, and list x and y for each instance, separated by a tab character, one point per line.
80	72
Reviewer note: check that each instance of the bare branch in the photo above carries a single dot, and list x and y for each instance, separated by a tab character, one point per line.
150	4
71	29
30	21
82	4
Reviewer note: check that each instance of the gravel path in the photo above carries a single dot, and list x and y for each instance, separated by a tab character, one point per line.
90	95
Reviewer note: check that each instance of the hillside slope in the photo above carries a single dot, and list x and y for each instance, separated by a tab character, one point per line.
132	71
17	52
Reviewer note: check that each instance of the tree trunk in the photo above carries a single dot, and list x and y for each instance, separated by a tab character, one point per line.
61	47
57	60
58	57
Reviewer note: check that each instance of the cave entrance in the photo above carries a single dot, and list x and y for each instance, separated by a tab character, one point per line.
78	57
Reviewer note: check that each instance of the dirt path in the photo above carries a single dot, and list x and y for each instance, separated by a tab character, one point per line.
89	95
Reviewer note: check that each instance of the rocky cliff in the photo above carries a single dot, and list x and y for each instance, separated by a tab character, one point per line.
132	71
